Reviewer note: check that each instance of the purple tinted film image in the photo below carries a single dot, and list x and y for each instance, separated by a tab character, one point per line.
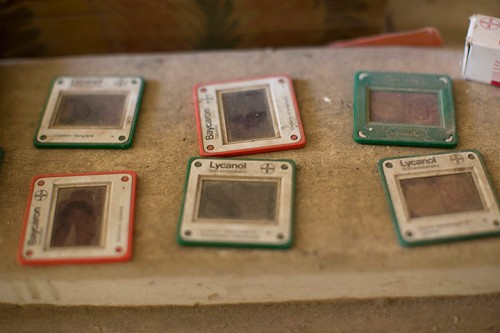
247	115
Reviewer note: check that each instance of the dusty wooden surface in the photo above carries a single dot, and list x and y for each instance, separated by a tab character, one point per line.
345	245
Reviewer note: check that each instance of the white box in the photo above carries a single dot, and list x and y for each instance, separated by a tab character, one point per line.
482	50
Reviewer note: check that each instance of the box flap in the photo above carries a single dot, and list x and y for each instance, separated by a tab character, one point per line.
484	31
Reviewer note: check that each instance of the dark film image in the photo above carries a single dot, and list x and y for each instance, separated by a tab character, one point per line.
92	110
78	220
404	108
438	195
241	200
247	115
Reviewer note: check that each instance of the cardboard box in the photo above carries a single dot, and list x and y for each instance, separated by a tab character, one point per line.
482	50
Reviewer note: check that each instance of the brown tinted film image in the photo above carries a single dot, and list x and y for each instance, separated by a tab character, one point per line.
404	108
438	195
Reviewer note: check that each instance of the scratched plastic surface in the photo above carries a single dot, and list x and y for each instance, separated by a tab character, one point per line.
247	115
78	216
438	195
404	108
90	110
242	200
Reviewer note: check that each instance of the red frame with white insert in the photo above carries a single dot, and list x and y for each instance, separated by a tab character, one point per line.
283	105
117	219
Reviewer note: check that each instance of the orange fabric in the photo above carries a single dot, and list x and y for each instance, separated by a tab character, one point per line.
422	37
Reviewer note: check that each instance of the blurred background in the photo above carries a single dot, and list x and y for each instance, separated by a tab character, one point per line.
41	28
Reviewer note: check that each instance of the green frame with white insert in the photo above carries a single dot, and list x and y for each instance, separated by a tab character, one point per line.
68	133
448	210
276	232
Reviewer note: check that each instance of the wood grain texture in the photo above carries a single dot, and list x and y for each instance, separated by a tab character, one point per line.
59	27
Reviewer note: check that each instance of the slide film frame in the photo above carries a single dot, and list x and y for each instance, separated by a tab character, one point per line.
70	119
436	129
445	215
196	229
79	218
225	127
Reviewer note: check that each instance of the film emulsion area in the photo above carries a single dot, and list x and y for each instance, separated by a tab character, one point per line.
104	110
437	195
247	115
404	108
79	215
245	200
